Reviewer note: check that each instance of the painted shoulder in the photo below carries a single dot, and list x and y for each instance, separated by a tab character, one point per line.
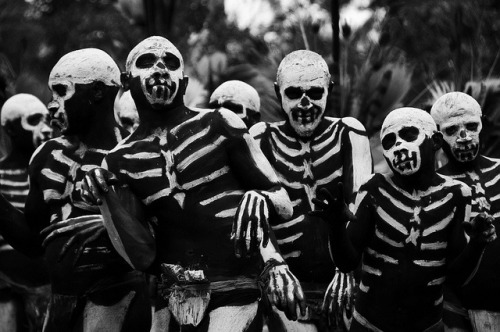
354	124
231	118
47	147
464	189
258	129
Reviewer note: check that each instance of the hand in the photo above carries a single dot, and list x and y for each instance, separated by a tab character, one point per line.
284	291
334	209
96	184
251	226
481	229
339	299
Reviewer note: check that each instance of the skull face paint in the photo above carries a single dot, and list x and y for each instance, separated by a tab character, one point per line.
458	116
159	66
83	67
239	97
32	115
403	133
303	79
126	112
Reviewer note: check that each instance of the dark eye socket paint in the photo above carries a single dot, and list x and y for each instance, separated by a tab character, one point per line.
388	141
315	93
409	134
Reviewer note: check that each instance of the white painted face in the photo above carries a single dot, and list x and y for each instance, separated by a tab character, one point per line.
83	66
303	79
126	111
459	118
160	67
32	113
403	132
239	97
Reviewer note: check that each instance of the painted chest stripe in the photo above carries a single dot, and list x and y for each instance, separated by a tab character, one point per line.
334	151
385	258
285	162
427	263
290	238
227	213
289	223
15	183
207	178
494	198
439	203
391	221
140	155
331	138
492	181
199	154
395	201
329	179
282	147
440	224
58	156
293	254
371	270
433	246
387	240
221	195
151	173
190	140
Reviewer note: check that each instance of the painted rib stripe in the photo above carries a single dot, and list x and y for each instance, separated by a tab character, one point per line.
286	150
492	181
199	154
152	173
426	263
319	146
227	213
221	195
387	240
290	238
190	140
207	178
285	162
330	154
289	223
293	254
140	155
385	258
58	156
494	198
162	193
395	201
433	246
371	270
15	184
330	178
391	221
440	224
439	203
437	281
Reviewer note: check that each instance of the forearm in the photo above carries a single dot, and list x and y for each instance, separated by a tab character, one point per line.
132	240
345	255
17	232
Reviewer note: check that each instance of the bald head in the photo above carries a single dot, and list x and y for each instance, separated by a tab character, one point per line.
86	66
409	117
20	105
455	104
302	65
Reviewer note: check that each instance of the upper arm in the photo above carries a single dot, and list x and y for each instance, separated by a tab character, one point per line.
358	165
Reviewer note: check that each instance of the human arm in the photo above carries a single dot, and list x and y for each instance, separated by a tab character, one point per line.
123	218
264	197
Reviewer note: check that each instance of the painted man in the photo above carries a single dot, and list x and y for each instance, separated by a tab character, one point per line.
310	152
92	286
458	117
239	97
24	290
407	230
194	176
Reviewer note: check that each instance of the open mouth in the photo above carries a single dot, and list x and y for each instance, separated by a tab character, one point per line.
405	160
305	117
160	88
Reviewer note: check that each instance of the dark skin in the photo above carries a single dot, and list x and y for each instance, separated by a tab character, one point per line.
22	231
336	212
141	247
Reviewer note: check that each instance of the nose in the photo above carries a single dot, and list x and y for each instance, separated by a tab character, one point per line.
53	106
304	101
46	130
161	65
464	135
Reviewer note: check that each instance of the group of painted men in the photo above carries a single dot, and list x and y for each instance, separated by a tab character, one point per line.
245	223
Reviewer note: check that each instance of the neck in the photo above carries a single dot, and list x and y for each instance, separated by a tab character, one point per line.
420	181
164	118
101	132
18	158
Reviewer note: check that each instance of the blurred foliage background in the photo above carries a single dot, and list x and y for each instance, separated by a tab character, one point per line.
383	53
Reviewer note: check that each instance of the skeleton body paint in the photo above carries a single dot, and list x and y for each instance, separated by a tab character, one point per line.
406	230
24	120
308	153
201	180
482	174
239	97
83	266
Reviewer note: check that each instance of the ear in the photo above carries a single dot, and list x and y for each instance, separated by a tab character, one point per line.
125	79
277	91
330	86
98	91
437	140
